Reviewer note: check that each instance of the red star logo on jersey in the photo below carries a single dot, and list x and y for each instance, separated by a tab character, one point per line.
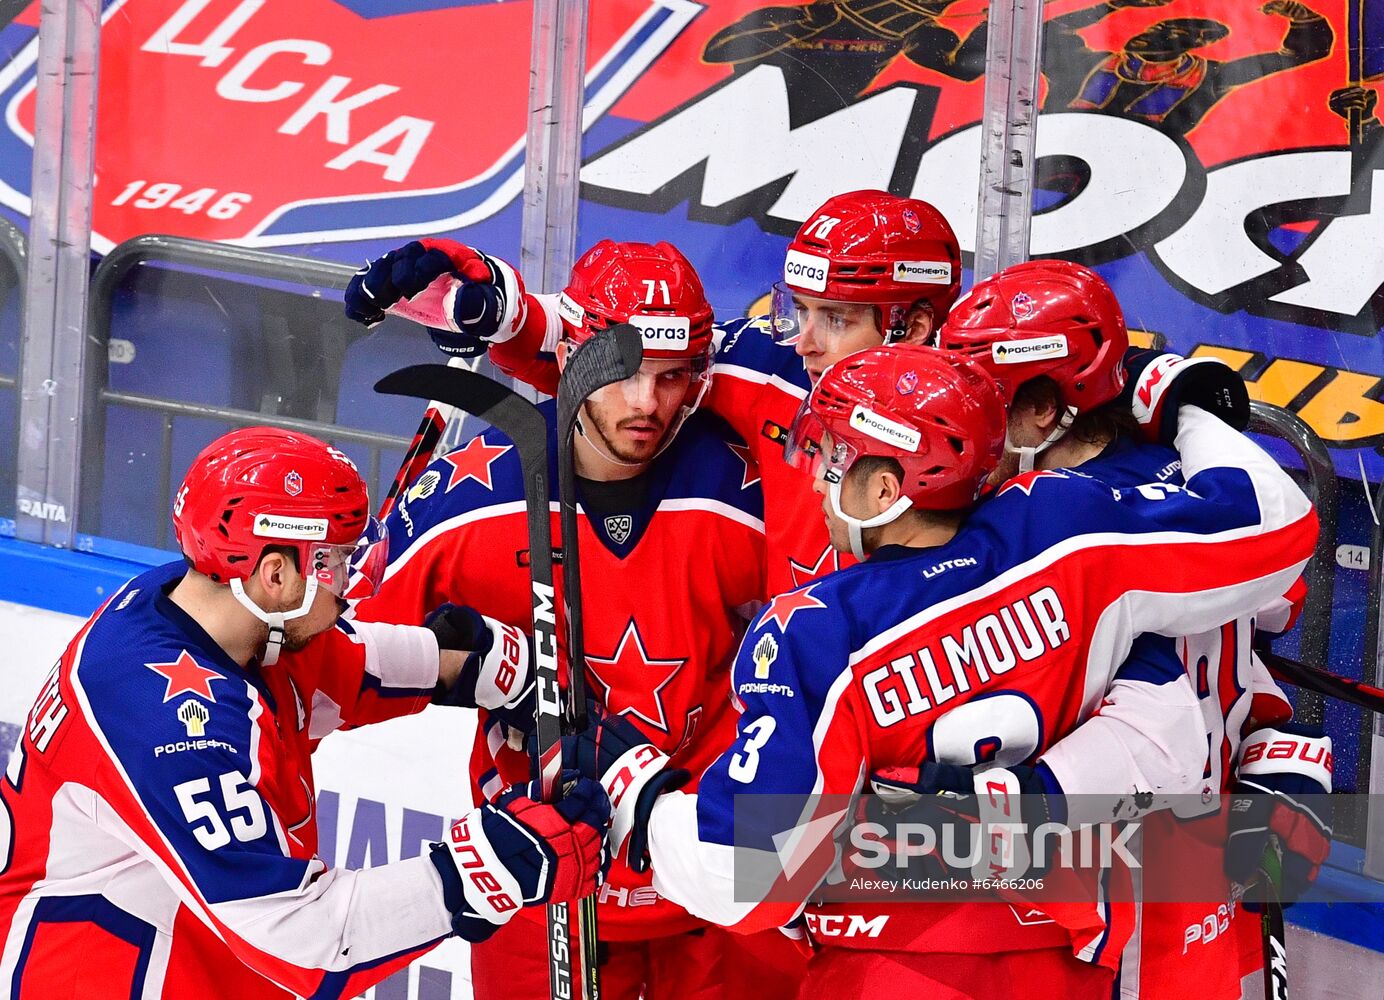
1025	480
742	452
782	608
186	676
639	678
473	462
827	562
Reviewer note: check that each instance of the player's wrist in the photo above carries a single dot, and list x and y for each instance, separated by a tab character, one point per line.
626	780
670	779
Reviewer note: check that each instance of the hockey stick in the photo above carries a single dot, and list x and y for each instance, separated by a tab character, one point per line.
1272	933
612	355
520	421
1322	681
425	439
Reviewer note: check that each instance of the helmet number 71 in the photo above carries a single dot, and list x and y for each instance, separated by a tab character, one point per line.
661	286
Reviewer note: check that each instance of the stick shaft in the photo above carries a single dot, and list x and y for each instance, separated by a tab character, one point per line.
1325	682
420	451
457	387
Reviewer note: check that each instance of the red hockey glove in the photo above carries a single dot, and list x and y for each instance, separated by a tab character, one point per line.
1282	792
1160	383
465	298
522	852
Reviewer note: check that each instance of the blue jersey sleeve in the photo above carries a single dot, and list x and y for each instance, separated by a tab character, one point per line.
757	837
1227	543
205	792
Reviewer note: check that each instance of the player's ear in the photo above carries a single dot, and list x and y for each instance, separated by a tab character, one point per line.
887	489
275	572
1036	403
1047	414
562	346
921	324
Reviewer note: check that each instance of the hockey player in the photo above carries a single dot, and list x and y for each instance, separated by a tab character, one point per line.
968	637
1043	329
671	546
867	268
159	825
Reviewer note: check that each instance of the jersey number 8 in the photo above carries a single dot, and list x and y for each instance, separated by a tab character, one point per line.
1003	728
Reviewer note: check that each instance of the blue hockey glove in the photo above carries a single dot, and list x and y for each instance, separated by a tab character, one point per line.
465	298
939	795
519	852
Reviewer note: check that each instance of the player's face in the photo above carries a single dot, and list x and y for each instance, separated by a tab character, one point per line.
854	500
634	417
829	331
1024	431
326	608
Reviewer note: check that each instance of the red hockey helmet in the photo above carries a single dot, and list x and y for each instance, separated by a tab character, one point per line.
873	248
1044	317
263	486
939	415
654	287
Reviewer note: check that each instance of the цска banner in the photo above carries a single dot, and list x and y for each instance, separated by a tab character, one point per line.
1219	162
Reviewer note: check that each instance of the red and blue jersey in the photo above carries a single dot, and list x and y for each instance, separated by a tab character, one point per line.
1231	686
671	567
990	647
1235	694
757	386
160	838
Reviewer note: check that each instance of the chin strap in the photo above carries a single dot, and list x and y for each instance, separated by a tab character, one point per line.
599	446
1029	453
855	526
274	619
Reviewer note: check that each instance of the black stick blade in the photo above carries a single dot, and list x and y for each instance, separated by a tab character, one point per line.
611	355
459	387
482	397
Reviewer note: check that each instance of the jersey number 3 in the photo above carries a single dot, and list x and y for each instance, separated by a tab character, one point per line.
744	763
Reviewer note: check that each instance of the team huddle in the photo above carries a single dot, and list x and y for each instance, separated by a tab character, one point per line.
886	541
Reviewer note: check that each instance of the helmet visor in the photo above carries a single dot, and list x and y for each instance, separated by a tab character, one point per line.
809	447
662	380
356	569
828	325
784	315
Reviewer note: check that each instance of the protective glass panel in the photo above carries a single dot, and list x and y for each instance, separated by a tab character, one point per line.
1219	164
12	267
755	113
288	127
